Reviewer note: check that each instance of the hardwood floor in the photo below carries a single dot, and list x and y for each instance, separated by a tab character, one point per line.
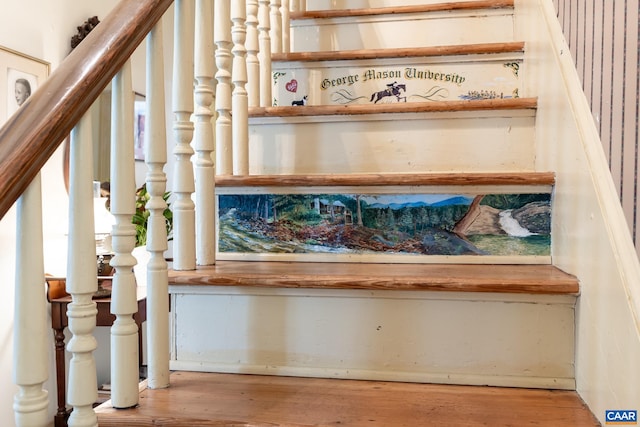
205	399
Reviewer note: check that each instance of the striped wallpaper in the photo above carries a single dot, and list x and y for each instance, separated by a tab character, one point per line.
603	39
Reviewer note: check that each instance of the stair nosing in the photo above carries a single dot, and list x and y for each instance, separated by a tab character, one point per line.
511	279
360	54
409	107
391	179
437	7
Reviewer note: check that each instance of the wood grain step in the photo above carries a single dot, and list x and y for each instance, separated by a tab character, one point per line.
410	107
345	55
438	7
412	179
209	399
521	279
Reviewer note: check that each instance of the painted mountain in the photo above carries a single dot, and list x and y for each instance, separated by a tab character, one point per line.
411	224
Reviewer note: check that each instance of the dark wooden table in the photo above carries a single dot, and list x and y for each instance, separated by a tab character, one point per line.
59	322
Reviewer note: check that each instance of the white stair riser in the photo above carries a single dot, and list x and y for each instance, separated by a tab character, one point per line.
392	143
520	341
412	80
366	4
402	30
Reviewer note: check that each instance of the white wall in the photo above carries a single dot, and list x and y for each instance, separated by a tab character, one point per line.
590	235
41	29
603	41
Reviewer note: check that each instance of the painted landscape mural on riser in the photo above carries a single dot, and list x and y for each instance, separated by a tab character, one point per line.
411	224
393	84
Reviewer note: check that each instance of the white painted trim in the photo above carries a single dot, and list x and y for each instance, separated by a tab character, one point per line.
568	300
362	374
385	258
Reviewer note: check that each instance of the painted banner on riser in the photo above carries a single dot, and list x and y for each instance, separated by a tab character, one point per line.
502	225
343	85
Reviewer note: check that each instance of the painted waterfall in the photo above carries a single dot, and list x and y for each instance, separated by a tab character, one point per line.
403	224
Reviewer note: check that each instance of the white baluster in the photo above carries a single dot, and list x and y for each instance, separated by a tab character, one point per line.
253	65
30	352
239	99
124	331
157	274
264	56
184	257
286	44
276	27
296	6
82	281
222	37
203	136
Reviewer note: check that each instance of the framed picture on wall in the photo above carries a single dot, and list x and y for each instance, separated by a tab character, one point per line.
20	76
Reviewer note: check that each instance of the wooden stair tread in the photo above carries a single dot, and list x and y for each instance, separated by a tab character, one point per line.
377	179
529	279
450	50
437	7
212	399
405	107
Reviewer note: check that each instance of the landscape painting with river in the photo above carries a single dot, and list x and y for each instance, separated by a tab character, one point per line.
411	224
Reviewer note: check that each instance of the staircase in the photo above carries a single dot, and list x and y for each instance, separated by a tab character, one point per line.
457	127
423	202
433	112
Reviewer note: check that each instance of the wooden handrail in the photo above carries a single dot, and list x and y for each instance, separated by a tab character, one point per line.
31	136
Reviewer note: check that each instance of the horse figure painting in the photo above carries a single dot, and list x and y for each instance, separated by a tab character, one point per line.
393	89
